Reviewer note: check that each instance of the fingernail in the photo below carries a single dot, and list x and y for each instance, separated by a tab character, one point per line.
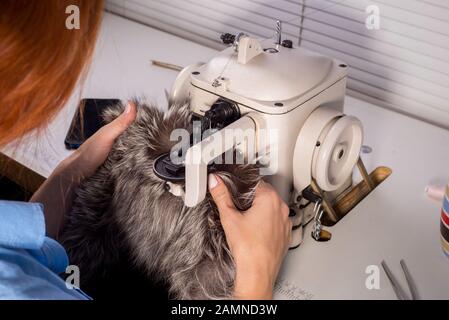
212	181
128	108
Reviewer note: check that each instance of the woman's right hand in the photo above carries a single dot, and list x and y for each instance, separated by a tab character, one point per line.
258	239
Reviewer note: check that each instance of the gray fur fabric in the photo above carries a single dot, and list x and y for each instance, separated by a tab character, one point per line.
125	205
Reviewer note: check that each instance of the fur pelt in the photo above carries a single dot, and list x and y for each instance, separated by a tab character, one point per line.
124	206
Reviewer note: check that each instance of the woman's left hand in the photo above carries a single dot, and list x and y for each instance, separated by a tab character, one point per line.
57	191
94	151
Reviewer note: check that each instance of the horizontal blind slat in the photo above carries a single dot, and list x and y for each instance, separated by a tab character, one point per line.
437	60
160	19
440	89
244	17
417	7
438	50
373	56
191	17
266	11
433	79
415	34
398	103
386	13
392	86
438	3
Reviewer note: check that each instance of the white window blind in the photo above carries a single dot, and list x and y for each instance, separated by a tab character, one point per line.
404	65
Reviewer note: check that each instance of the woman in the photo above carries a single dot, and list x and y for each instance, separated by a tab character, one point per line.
41	62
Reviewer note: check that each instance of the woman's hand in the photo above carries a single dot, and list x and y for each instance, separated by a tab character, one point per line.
93	152
56	192
258	239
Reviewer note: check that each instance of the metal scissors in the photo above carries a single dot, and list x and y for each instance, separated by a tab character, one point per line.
400	293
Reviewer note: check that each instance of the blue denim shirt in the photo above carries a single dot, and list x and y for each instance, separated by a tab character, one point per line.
29	261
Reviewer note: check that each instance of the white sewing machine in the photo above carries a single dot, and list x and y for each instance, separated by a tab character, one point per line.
289	102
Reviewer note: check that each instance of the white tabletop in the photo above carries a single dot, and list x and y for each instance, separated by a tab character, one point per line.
396	221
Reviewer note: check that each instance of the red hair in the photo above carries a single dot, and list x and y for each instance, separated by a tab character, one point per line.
41	60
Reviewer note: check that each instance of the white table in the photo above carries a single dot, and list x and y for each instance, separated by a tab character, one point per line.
396	221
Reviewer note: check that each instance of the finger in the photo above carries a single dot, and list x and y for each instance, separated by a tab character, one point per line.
221	195
112	130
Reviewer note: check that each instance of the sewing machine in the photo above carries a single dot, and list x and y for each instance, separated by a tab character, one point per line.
280	107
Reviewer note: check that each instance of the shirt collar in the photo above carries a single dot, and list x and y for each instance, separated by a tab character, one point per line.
22	224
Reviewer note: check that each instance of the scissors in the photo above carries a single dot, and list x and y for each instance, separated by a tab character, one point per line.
400	293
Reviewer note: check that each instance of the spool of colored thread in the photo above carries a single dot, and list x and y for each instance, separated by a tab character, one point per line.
444	224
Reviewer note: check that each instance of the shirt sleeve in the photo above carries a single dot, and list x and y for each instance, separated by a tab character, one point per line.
22	225
29	261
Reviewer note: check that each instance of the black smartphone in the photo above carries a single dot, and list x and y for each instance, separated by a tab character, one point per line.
86	121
